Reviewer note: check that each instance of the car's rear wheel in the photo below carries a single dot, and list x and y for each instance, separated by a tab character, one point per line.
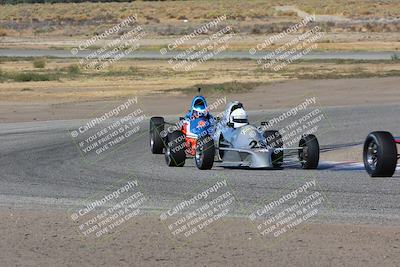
175	154
205	152
380	154
156	140
274	140
309	154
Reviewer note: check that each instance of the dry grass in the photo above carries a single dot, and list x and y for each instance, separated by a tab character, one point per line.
166	17
195	10
148	11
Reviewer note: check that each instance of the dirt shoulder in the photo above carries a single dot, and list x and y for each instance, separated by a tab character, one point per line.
52	240
335	92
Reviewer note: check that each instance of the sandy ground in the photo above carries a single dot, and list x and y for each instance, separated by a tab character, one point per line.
49	238
282	95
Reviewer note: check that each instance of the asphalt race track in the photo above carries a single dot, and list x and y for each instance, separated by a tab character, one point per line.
42	167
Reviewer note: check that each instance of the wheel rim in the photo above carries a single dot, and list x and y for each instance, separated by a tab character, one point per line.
199	155
372	155
302	156
167	155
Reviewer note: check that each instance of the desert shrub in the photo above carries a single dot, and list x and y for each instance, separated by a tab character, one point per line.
31	77
39	63
73	69
256	30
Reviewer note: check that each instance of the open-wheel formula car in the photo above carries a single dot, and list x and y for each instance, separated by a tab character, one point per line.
179	141
380	154
230	140
242	145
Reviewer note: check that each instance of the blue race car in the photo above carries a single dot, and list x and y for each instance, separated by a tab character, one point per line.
190	137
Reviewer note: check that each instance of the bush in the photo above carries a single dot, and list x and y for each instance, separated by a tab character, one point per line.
73	69
132	69
256	30
31	77
39	63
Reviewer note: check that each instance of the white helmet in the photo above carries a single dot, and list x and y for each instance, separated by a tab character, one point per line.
238	118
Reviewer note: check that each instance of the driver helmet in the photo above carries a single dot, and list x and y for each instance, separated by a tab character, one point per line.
200	108
238	118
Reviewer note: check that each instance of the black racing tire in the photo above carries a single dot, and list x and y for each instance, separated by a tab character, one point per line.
309	155
205	152
221	153
175	154
274	140
156	140
380	154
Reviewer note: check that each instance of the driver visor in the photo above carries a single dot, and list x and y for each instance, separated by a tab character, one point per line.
240	120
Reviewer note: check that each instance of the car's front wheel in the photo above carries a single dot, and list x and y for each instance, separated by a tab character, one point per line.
205	152
380	154
274	140
309	153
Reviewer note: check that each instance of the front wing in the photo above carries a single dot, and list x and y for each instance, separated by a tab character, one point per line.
258	158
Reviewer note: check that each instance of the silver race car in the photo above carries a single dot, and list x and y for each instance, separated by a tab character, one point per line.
238	144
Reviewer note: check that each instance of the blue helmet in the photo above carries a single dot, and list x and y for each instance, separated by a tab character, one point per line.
199	106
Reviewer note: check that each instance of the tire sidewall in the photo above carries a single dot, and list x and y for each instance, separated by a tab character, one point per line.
175	154
276	142
386	154
156	140
208	152
312	146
